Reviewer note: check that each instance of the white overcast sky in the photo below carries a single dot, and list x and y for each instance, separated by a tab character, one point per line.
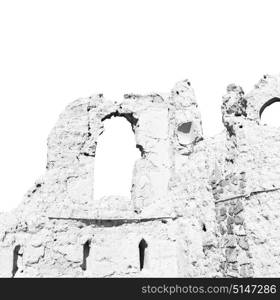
52	52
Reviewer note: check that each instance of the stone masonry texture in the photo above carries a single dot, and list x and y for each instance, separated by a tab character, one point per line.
199	207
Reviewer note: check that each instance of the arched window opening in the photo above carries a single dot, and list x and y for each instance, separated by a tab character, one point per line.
86	250
116	154
142	248
16	254
270	112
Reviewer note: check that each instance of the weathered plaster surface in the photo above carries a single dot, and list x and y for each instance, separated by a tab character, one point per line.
205	207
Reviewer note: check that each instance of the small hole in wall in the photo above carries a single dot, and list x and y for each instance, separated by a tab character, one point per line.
15	260
142	248
185	127
86	250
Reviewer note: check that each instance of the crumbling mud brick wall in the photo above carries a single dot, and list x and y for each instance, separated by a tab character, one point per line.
199	207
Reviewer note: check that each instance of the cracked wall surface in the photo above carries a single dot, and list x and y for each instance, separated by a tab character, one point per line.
205	207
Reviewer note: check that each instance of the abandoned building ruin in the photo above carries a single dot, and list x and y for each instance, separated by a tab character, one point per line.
199	207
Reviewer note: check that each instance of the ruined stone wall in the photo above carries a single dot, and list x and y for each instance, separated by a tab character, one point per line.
246	188
204	207
56	249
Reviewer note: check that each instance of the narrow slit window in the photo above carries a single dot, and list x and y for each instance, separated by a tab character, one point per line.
15	260
86	250
204	227
142	248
